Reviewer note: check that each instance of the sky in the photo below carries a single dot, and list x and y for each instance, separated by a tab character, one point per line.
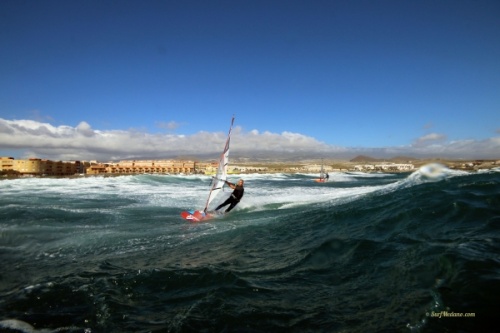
114	80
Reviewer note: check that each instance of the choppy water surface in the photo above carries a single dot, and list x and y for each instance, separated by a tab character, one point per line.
361	253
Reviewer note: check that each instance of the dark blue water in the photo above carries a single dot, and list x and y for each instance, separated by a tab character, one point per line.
414	252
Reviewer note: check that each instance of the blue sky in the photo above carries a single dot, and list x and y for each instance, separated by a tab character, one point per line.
132	79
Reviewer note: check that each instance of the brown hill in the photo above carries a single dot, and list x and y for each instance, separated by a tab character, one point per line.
363	158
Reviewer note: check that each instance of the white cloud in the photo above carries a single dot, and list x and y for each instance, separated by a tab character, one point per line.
84	129
171	125
429	139
40	139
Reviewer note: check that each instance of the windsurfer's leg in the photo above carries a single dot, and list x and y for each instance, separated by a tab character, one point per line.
233	203
225	203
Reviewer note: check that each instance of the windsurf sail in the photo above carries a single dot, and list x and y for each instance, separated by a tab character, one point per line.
322	171
220	177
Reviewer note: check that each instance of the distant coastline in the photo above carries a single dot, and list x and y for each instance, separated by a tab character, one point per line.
312	166
368	165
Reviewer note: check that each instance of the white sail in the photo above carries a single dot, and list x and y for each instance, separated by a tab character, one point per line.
220	177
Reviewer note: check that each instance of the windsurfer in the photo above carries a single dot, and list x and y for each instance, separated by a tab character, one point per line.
235	197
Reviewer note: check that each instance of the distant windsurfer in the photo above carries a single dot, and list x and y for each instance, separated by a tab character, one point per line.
235	197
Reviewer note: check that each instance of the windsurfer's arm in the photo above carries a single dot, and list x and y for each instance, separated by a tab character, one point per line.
231	185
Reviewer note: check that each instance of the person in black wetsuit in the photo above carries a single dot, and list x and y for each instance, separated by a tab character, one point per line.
235	197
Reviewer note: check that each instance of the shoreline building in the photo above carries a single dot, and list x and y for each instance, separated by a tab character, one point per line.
390	167
40	167
148	166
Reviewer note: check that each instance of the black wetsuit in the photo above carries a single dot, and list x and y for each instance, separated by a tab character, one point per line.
233	199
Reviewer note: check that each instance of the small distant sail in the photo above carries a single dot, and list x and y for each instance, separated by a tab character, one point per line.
322	172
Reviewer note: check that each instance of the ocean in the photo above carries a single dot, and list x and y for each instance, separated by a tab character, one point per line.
364	252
